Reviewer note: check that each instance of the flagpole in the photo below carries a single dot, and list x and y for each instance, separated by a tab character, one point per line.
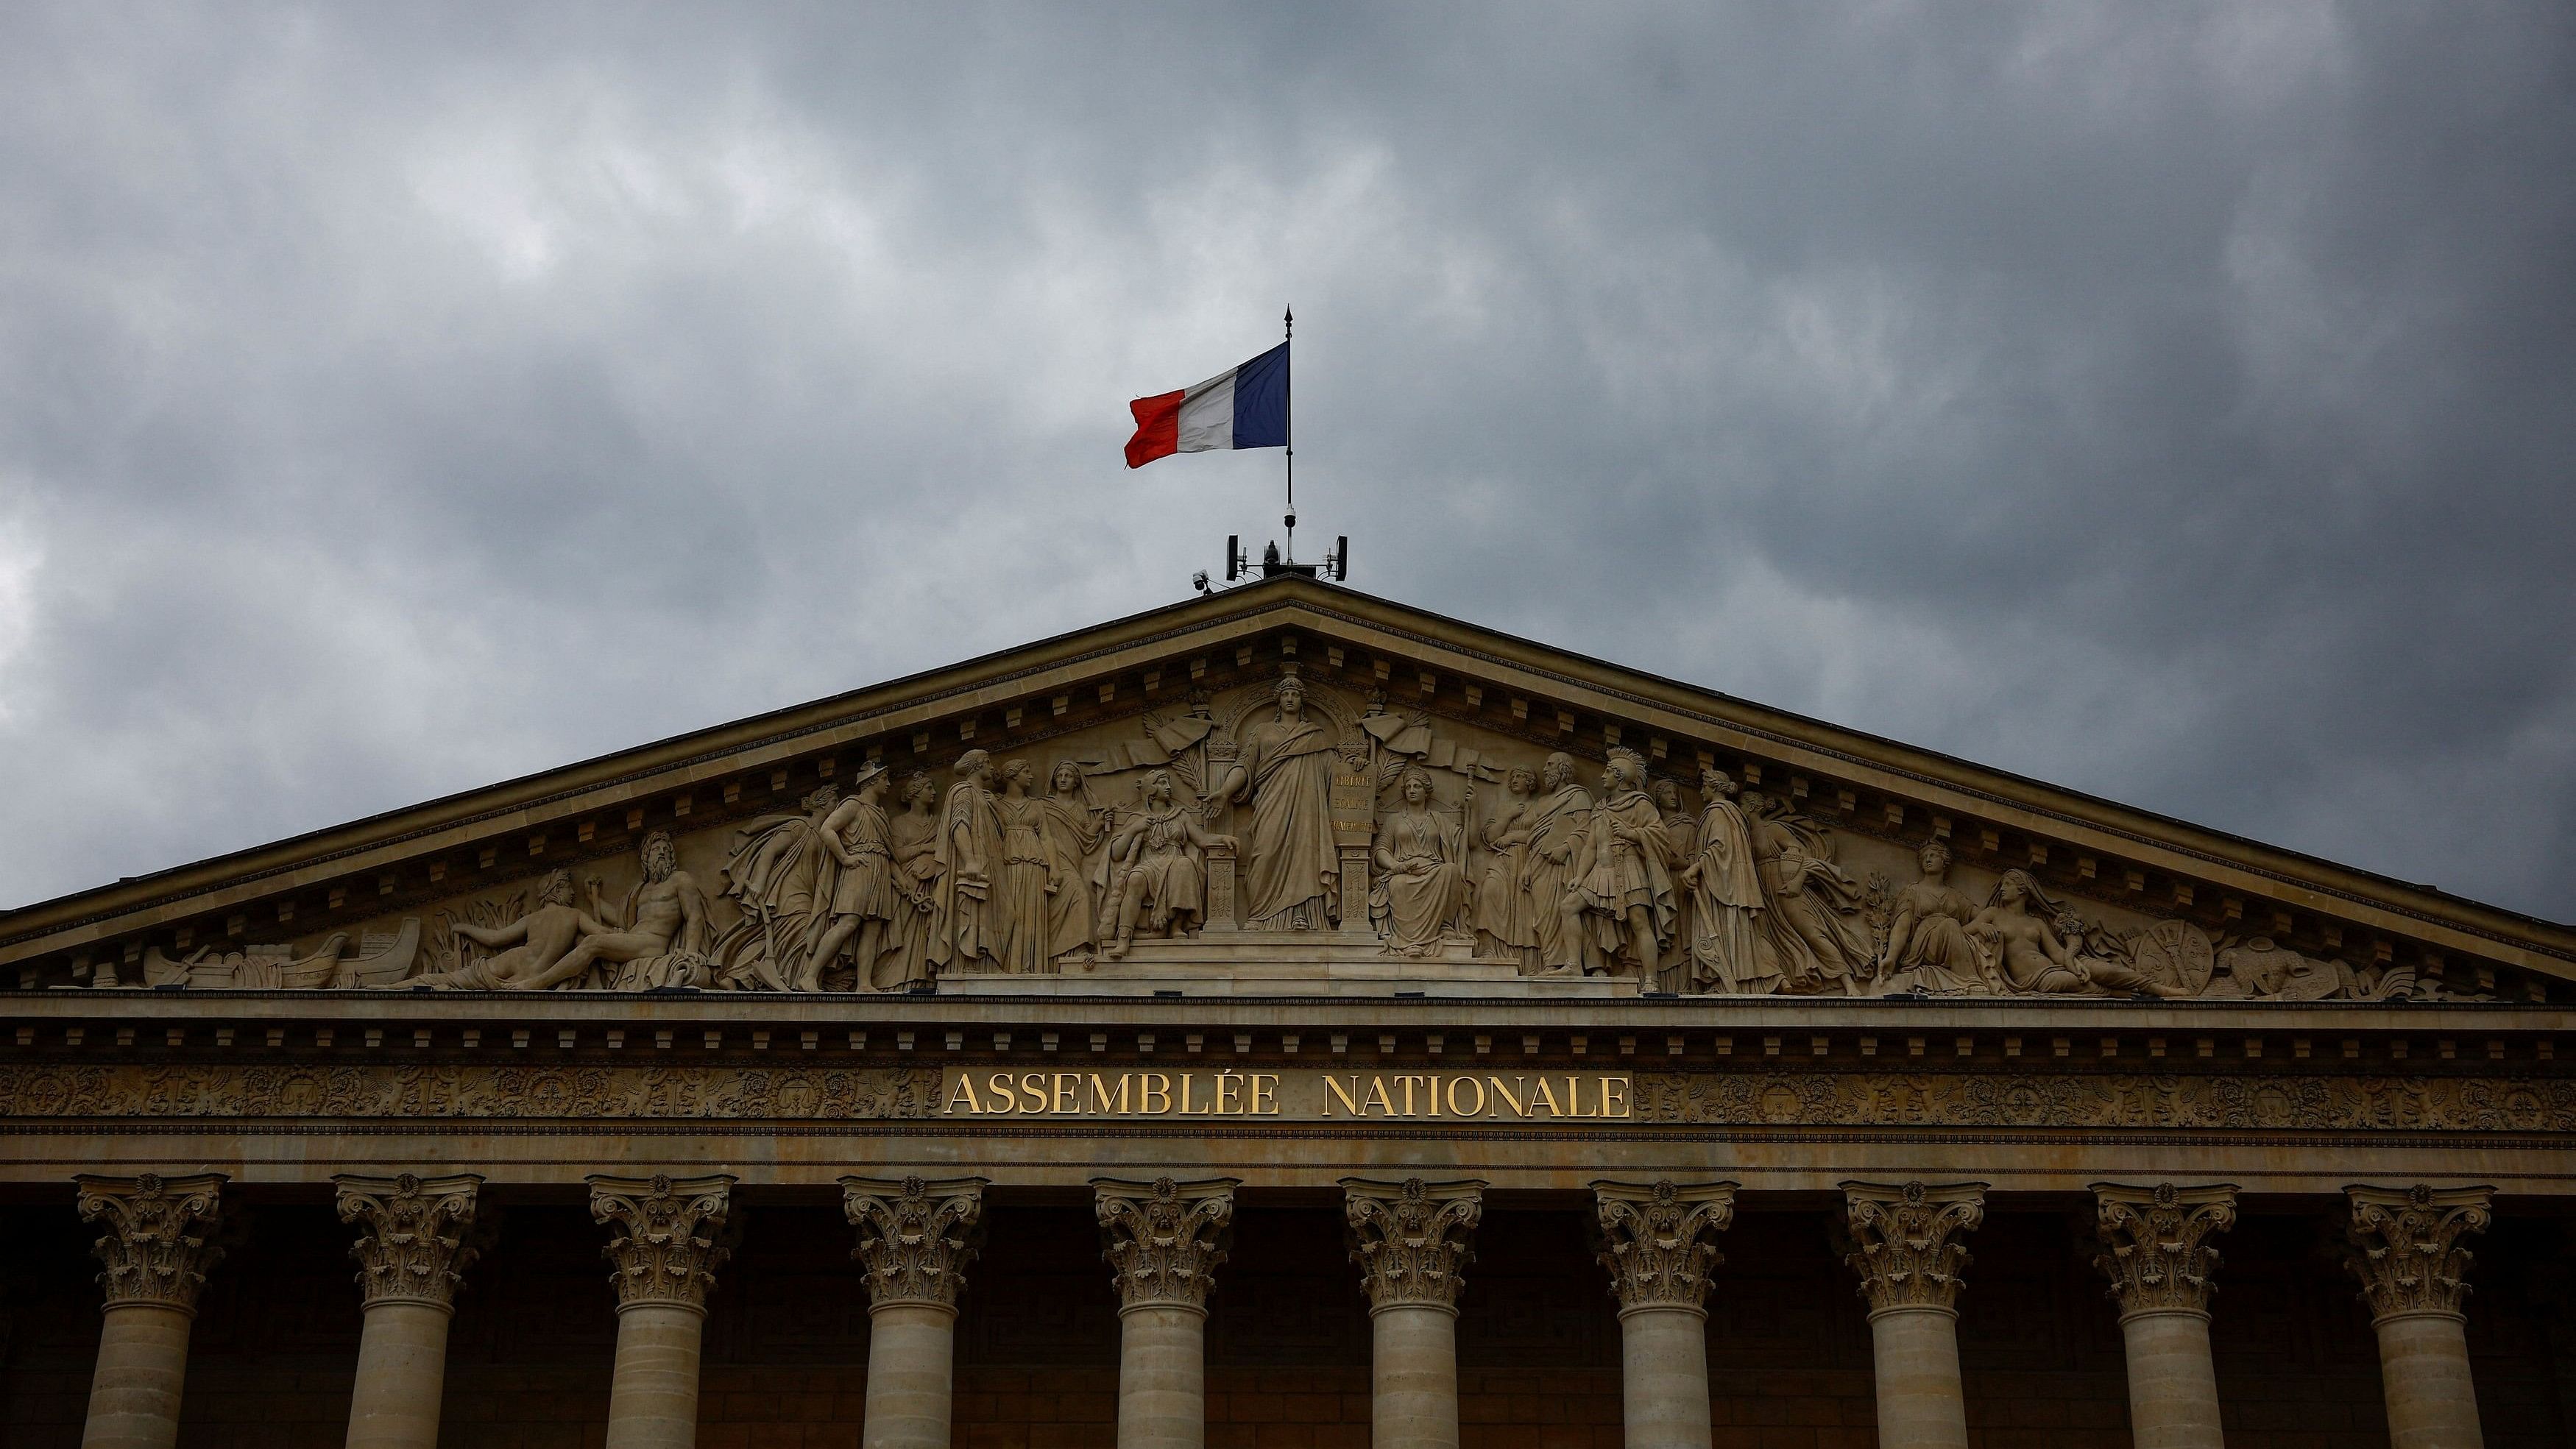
1289	407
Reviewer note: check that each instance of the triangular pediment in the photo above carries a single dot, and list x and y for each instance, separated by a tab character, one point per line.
2128	901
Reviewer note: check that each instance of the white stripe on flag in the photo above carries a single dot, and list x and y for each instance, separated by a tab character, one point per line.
1207	415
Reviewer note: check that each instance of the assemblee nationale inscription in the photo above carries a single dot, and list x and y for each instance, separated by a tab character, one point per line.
1315	1096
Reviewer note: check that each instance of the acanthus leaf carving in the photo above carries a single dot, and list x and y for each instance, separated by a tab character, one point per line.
157	1248
1413	1239
416	1246
1164	1239
666	1236
1654	1240
916	1236
1905	1244
2405	1245
2155	1243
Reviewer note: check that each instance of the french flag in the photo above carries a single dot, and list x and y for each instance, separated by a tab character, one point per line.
1242	407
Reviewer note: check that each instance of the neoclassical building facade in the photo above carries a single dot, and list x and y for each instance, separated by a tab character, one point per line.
1287	1020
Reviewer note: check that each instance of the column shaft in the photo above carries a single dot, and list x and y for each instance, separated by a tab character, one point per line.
2173	1383
1413	1377
2424	1372
1162	1377
912	1351
402	1371
1165	1240
1663	1358
653	1397
142	1367
1920	1403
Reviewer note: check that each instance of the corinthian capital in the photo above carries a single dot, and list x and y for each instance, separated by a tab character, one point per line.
155	1247
1164	1238
1412	1238
665	1236
415	1248
2155	1243
1902	1240
1654	1240
916	1236
2405	1245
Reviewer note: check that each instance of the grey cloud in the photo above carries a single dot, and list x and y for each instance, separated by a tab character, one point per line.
2166	401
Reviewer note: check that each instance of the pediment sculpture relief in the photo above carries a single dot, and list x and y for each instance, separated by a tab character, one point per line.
1284	817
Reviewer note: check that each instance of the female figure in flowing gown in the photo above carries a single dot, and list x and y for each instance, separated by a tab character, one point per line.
1077	827
1928	935
1502	915
1024	890
1422	873
906	961
1292	868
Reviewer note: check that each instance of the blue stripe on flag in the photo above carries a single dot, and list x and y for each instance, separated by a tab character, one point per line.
1261	400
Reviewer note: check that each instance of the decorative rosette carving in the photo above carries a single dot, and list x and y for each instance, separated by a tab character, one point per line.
155	1248
2155	1243
1412	1239
415	1248
915	1236
1902	1240
1164	1238
665	1236
1654	1240
2405	1245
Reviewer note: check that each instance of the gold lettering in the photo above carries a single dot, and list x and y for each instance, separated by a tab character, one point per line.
1186	1109
1156	1085
1033	1092
964	1092
1265	1088
1476	1111
1100	1093
999	1084
1433	1082
1408	1080
1065	1103
1545	1096
1614	1096
1574	1096
1349	1104
1510	1095
1229	1082
1377	1098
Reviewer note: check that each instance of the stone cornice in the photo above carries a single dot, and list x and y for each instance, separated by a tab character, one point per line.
1654	1240
1412	1239
2404	1245
916	1235
415	1247
2155	1248
1164	1239
667	1237
157	1247
1904	1241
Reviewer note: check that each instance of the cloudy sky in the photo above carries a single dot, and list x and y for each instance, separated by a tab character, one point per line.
2174	402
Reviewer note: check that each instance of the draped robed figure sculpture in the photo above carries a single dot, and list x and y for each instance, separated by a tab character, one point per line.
1284	772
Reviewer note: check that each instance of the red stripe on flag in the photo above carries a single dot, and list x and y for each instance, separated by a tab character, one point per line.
1158	427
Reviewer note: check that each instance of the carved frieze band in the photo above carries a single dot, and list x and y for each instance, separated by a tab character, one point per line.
156	1248
1905	1240
666	1236
1654	1240
1164	1239
2155	1247
2405	1245
427	1092
1412	1239
916	1236
415	1248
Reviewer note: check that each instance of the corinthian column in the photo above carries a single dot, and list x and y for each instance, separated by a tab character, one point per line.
410	1262
915	1237
1909	1267
1164	1240
2156	1254
2405	1250
156	1255
1654	1242
1411	1240
664	1241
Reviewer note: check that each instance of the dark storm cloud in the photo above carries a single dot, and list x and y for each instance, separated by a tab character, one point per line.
2166	401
